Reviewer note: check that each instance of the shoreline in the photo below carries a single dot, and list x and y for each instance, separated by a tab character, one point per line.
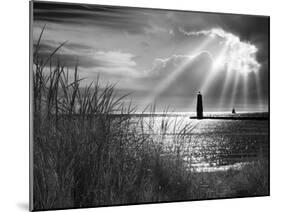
231	118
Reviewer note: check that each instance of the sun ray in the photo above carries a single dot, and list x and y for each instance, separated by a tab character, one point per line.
234	90
245	90
258	89
217	65
225	87
166	82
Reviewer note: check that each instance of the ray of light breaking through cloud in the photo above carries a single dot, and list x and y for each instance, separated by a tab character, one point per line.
258	90
164	84
245	90
234	90
214	70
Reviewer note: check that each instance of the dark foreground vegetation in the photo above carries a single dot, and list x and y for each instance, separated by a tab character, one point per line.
85	157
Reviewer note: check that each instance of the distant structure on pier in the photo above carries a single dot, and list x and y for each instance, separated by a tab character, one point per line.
233	111
199	106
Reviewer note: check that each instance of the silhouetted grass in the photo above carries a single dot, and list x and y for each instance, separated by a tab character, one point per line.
85	156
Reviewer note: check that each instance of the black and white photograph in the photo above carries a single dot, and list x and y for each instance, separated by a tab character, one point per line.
132	105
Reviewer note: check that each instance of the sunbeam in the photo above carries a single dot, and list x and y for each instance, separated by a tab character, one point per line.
217	65
234	90
245	90
225	87
258	89
166	82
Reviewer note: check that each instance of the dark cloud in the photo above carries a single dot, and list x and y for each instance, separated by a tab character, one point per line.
247	27
129	20
114	63
49	46
64	56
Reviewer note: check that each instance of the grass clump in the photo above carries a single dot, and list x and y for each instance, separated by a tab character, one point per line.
84	155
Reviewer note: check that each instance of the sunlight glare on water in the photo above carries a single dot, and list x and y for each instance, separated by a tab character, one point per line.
213	145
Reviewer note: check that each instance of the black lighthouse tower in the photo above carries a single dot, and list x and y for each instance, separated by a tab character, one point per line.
199	106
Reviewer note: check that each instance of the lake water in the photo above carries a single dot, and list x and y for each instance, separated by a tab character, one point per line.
213	144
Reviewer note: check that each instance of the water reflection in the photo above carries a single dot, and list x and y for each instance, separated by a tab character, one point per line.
210	145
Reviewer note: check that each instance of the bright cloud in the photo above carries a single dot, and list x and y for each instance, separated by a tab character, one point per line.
238	55
115	62
115	58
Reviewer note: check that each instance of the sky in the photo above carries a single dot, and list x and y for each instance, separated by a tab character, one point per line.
162	56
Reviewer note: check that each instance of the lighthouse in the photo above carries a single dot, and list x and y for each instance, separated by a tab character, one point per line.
199	108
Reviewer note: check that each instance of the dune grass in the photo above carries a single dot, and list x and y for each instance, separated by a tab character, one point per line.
85	156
